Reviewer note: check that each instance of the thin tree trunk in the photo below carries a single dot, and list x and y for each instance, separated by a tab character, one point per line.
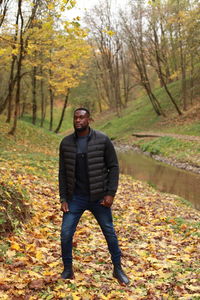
43	104
34	103
160	71
125	78
8	99
10	90
19	66
3	11
99	95
63	112
51	109
191	78
173	52
23	108
117	87
182	61
51	104
183	77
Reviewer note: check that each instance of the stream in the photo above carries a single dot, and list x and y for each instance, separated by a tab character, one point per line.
165	178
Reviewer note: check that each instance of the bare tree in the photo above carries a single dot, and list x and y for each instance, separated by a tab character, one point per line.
134	37
4	4
107	47
155	43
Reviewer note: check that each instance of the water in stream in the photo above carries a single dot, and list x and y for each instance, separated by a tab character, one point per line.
164	177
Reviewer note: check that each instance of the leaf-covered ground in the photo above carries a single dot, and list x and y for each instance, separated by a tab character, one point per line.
159	235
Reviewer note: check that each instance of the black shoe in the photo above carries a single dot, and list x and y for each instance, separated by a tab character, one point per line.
67	272
120	275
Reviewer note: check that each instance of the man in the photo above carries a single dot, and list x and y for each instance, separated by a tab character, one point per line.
88	180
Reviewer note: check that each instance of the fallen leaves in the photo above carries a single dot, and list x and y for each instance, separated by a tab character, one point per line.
158	236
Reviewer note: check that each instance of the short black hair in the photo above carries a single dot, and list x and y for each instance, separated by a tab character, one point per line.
83	108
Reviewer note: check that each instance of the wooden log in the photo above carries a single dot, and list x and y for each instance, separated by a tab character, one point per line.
141	135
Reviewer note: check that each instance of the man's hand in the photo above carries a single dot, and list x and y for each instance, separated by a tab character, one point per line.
64	207
107	201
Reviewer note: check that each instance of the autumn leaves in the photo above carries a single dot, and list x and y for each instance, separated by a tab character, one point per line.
160	256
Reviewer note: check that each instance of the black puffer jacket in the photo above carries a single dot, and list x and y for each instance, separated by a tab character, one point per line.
103	169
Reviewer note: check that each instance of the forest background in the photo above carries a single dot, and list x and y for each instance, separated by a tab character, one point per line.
147	51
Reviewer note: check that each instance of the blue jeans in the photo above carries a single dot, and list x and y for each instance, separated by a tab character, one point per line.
70	220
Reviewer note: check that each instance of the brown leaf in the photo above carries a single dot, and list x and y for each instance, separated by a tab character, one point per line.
52	278
17	264
4	287
37	284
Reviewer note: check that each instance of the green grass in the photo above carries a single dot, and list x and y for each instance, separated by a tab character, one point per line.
185	151
188	129
138	116
34	149
67	122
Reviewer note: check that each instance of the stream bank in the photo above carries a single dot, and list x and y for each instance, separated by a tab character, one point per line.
165	174
184	165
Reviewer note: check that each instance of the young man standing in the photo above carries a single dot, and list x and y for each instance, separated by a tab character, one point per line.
88	180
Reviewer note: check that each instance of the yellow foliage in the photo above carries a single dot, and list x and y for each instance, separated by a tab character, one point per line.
15	246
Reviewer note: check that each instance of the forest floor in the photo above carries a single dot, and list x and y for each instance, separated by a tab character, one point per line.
158	234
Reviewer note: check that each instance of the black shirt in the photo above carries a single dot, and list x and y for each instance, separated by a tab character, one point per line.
81	172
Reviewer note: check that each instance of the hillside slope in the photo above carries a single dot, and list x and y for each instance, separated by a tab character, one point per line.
169	143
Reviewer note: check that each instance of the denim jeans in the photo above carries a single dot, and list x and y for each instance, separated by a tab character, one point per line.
70	220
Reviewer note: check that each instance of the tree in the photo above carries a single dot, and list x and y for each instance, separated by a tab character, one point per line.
137	43
44	51
158	54
108	51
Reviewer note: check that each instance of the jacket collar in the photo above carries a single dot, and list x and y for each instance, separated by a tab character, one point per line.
75	136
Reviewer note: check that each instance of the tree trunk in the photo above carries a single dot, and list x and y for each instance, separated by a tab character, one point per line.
10	90
191	78
173	53
19	66
51	104
34	103
158	60
63	112
182	60
3	11
99	94
43	104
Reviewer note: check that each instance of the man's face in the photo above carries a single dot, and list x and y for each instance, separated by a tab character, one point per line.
81	120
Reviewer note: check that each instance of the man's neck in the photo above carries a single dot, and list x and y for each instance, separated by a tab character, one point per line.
83	133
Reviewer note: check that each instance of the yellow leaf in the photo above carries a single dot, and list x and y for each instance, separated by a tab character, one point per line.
30	247
34	274
39	255
48	273
15	246
53	264
3	296
88	271
75	297
189	249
